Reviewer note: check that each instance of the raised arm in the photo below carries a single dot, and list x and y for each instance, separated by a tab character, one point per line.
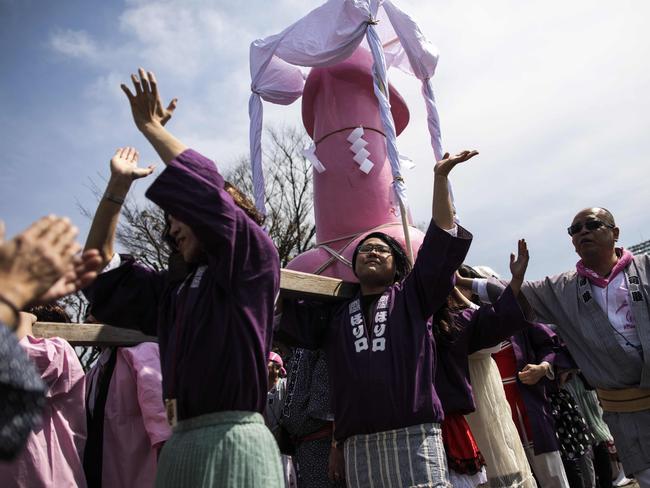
443	211
488	292
444	246
535	297
126	296
518	266
124	171
495	323
150	117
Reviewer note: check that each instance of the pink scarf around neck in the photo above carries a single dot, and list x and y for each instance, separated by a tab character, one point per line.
624	259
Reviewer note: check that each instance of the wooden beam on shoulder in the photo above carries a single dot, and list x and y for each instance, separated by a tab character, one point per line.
91	334
294	284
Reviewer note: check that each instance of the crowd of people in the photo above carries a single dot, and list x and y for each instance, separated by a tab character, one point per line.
435	374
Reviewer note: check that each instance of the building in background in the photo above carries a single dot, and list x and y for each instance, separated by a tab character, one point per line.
640	248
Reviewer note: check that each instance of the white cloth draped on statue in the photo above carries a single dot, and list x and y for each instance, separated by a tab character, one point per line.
330	34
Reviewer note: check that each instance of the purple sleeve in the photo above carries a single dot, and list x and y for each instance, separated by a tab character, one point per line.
192	190
492	324
533	298
545	343
432	277
563	360
127	296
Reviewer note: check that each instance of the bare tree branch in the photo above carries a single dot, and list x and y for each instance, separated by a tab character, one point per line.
289	202
289	191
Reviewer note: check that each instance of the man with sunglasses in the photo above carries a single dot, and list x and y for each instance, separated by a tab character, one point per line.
602	313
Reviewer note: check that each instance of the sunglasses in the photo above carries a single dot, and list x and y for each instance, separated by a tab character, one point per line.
378	248
589	225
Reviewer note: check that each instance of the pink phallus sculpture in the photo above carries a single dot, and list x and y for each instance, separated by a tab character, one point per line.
352	197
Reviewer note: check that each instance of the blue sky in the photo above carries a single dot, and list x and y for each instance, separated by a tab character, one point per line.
553	94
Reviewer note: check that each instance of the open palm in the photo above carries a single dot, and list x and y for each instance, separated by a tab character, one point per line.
125	164
447	163
519	264
146	105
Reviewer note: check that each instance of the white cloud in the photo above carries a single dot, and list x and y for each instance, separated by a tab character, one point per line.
74	44
553	95
183	38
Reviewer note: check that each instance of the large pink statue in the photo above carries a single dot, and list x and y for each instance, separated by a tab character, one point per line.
348	202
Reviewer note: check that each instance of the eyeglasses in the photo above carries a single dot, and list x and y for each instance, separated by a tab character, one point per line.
589	225
378	248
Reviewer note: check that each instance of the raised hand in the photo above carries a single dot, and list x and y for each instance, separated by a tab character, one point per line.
442	209
518	266
124	164
447	163
146	106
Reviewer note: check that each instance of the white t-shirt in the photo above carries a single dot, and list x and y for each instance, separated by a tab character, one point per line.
614	300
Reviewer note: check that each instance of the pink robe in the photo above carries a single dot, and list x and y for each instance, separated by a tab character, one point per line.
135	424
53	454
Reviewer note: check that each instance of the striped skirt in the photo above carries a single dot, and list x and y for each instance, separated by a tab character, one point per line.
221	449
408	457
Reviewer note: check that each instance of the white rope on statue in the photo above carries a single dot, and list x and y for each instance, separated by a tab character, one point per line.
380	82
433	119
433	123
255	113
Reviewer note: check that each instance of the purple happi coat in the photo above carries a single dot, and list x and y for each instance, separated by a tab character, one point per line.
532	346
479	328
214	328
381	374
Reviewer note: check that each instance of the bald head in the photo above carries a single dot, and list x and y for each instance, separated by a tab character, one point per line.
599	212
594	234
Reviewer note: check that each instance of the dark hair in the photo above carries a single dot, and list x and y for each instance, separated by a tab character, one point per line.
468	272
402	264
50	313
445	327
241	200
167	237
444	324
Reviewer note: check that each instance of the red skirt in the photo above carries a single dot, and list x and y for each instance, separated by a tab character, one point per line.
507	364
463	455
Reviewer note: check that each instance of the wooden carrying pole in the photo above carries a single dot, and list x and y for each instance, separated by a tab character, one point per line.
293	284
91	334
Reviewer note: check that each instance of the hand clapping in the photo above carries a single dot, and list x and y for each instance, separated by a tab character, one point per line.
39	264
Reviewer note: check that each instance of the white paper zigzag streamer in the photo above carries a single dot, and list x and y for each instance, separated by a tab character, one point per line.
358	147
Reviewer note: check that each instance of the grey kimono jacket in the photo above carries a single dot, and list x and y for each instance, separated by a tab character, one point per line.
567	301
